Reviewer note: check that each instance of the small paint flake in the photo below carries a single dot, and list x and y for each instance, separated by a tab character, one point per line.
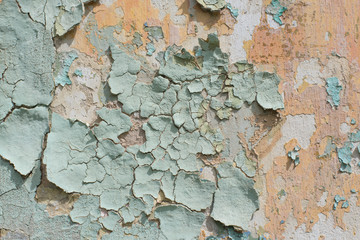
353	191
337	199
150	47
294	155
282	222
345	204
333	89
281	194
344	155
78	73
234	12
353	121
63	77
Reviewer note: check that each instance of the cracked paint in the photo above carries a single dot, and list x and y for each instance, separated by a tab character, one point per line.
128	119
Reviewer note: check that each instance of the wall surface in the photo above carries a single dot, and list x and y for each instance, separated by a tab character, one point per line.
179	119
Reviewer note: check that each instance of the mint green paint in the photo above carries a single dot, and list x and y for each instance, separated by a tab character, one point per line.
137	40
17	199
154	33
85	208
235	199
176	222
58	16
114	199
193	192
345	204
150	47
113	125
136	207
338	199
65	60
109	148
78	73
344	155
110	221
22	127
212	5
234	12
28	52
333	89
247	166
69	16
143	230
267	91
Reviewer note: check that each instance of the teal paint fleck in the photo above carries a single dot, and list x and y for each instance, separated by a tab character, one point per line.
78	73
63	76
281	194
330	146
344	155
234	12
337	199
282	222
333	89
353	191
110	221
353	121
345	204
276	10
150	47
294	155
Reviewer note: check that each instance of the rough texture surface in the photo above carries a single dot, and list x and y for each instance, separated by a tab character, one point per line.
179	119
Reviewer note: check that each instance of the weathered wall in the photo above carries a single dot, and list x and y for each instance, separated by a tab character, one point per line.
179	119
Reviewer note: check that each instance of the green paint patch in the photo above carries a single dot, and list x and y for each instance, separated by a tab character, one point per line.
234	12
187	225
212	5
344	155
338	199
333	89
78	73
63	63
276	10
24	126
247	166
234	197
195	193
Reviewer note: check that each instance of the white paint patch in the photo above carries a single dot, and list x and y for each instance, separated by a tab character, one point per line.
322	201
107	3
345	128
310	72
248	19
270	20
323	228
300	127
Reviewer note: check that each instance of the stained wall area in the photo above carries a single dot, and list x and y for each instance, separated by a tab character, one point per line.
179	119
